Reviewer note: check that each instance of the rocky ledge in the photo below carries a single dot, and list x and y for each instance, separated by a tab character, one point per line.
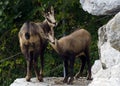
49	81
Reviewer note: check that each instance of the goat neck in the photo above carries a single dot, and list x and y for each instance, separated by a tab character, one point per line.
56	46
45	26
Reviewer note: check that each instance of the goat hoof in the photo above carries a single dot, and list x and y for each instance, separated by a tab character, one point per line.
65	80
70	81
27	78
40	78
89	78
77	75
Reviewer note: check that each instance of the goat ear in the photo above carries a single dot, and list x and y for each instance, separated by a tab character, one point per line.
52	10
44	14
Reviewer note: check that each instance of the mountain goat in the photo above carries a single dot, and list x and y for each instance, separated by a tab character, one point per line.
32	38
71	46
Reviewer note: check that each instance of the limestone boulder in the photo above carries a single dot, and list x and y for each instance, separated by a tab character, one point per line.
101	7
106	70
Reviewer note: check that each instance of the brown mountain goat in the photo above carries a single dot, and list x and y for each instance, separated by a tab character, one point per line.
32	38
72	46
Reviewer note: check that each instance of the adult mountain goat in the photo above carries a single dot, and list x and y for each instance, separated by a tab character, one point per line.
72	46
32	38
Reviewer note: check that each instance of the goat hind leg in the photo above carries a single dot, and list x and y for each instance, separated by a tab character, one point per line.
72	59
83	60
89	69
24	50
65	70
29	65
89	66
42	66
36	69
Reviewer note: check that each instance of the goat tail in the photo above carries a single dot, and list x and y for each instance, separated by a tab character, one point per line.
27	34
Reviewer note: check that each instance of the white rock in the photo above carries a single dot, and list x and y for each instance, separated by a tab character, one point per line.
109	73
106	70
107	77
105	82
109	42
101	7
96	67
113	31
109	55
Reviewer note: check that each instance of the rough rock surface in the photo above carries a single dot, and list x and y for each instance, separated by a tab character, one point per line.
106	70
49	81
101	7
109	42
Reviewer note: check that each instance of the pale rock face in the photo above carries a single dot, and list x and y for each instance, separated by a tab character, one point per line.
107	77
113	31
109	42
106	70
101	7
109	56
105	82
96	67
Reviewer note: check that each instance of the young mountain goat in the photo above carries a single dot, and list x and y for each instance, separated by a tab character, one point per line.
72	46
32	38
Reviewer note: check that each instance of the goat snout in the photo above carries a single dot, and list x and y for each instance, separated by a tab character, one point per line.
56	24
51	38
53	42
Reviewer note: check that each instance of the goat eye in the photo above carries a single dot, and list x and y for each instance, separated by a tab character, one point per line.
48	12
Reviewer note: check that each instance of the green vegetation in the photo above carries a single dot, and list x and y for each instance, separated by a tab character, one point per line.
69	14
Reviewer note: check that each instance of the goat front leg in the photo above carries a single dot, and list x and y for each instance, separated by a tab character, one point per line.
65	71
72	59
